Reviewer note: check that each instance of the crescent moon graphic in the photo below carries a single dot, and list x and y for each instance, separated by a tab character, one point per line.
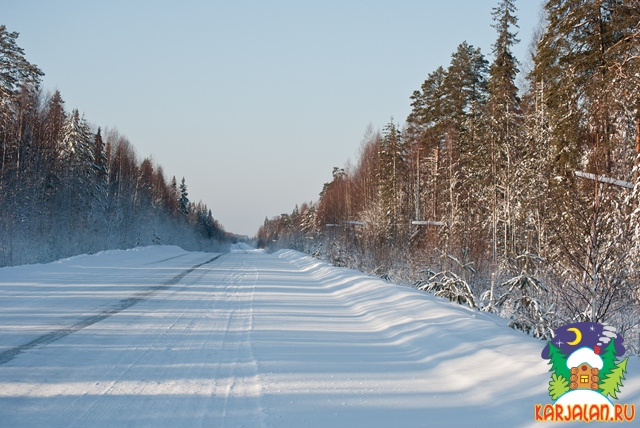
578	336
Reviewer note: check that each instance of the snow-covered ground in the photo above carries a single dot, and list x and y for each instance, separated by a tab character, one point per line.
160	337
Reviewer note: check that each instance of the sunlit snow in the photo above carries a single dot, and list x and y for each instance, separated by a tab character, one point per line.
161	337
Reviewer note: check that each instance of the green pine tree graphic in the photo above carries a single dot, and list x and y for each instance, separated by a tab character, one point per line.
558	362
612	382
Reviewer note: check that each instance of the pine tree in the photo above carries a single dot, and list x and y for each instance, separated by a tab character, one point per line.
16	75
15	70
465	83
443	130
426	127
465	89
426	103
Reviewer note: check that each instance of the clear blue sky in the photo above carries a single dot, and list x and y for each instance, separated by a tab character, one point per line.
253	102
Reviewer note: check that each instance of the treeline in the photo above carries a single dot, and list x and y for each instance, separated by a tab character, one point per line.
67	188
522	202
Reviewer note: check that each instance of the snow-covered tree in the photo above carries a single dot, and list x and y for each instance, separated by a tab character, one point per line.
502	133
390	171
76	147
184	199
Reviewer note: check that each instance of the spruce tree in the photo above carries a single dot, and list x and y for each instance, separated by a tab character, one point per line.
78	161
184	200
76	145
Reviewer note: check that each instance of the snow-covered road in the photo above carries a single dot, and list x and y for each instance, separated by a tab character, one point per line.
160	337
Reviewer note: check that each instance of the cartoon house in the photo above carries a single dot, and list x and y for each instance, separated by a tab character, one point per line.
584	365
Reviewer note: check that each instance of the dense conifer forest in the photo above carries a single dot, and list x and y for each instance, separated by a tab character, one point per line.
67	187
518	201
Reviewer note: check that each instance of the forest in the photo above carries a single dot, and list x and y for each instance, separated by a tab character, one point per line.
67	187
520	200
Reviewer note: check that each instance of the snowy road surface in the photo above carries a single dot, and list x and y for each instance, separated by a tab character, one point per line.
160	337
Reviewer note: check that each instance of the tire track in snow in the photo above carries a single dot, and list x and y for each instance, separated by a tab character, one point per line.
122	305
125	377
238	383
